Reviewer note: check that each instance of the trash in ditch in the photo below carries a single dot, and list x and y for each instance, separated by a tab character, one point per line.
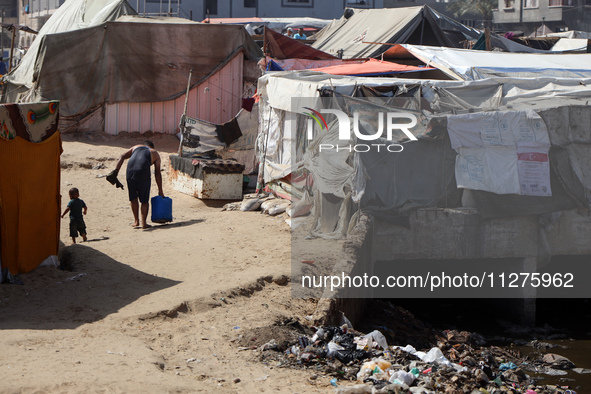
354	362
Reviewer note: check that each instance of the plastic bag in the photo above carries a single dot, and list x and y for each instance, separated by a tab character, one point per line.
378	337
319	335
435	356
402	377
333	347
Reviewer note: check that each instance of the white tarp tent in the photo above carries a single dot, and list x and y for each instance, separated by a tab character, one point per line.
554	147
463	64
72	15
130	74
571	45
570	34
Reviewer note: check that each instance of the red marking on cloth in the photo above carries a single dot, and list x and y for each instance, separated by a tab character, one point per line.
533	156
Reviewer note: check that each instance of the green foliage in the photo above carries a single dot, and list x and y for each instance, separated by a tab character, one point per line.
482	7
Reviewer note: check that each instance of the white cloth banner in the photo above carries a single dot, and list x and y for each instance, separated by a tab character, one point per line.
501	152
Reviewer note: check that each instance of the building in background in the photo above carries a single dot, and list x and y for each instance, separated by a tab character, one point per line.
440	6
8	14
34	14
529	15
200	9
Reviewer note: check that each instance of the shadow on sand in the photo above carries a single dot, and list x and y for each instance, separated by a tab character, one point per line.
173	225
103	238
89	287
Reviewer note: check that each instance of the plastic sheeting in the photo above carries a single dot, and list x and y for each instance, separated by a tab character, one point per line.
84	59
282	47
254	25
571	45
135	62
503	152
424	175
369	68
571	34
472	65
72	15
307	64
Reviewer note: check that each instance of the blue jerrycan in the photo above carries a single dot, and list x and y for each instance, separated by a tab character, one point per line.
161	209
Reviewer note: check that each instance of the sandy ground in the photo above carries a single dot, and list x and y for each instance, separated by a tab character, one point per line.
158	310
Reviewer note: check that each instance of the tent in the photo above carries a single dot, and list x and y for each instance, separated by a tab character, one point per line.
279	46
125	75
30	149
370	32
364	33
571	45
571	34
72	15
465	64
543	30
431	172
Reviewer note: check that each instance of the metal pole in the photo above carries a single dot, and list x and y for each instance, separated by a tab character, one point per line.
2	35
12	48
169	8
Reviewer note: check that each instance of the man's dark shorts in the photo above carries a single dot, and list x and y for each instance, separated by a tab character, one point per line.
77	226
138	188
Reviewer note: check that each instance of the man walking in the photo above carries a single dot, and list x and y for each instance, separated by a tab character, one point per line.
141	158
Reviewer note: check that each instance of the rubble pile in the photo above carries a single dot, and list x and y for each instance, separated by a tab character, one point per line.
460	363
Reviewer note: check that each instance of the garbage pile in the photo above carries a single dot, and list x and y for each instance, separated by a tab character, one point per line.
358	363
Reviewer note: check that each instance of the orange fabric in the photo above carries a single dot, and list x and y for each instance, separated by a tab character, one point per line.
372	66
29	202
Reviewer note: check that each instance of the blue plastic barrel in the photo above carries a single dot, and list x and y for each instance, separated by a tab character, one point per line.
161	209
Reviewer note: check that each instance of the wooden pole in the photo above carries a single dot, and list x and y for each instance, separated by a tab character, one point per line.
265	40
487	39
182	124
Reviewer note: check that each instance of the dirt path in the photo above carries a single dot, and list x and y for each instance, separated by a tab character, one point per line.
160	310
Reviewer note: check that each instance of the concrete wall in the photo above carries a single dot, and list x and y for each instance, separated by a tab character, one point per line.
437	233
534	14
575	17
455	234
356	258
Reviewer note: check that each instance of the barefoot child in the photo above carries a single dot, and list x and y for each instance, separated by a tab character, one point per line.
76	206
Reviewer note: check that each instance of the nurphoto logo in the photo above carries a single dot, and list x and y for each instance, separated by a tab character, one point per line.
346	124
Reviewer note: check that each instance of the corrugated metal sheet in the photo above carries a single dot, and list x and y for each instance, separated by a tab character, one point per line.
216	100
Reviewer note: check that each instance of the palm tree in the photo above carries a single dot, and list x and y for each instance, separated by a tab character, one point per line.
481	7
